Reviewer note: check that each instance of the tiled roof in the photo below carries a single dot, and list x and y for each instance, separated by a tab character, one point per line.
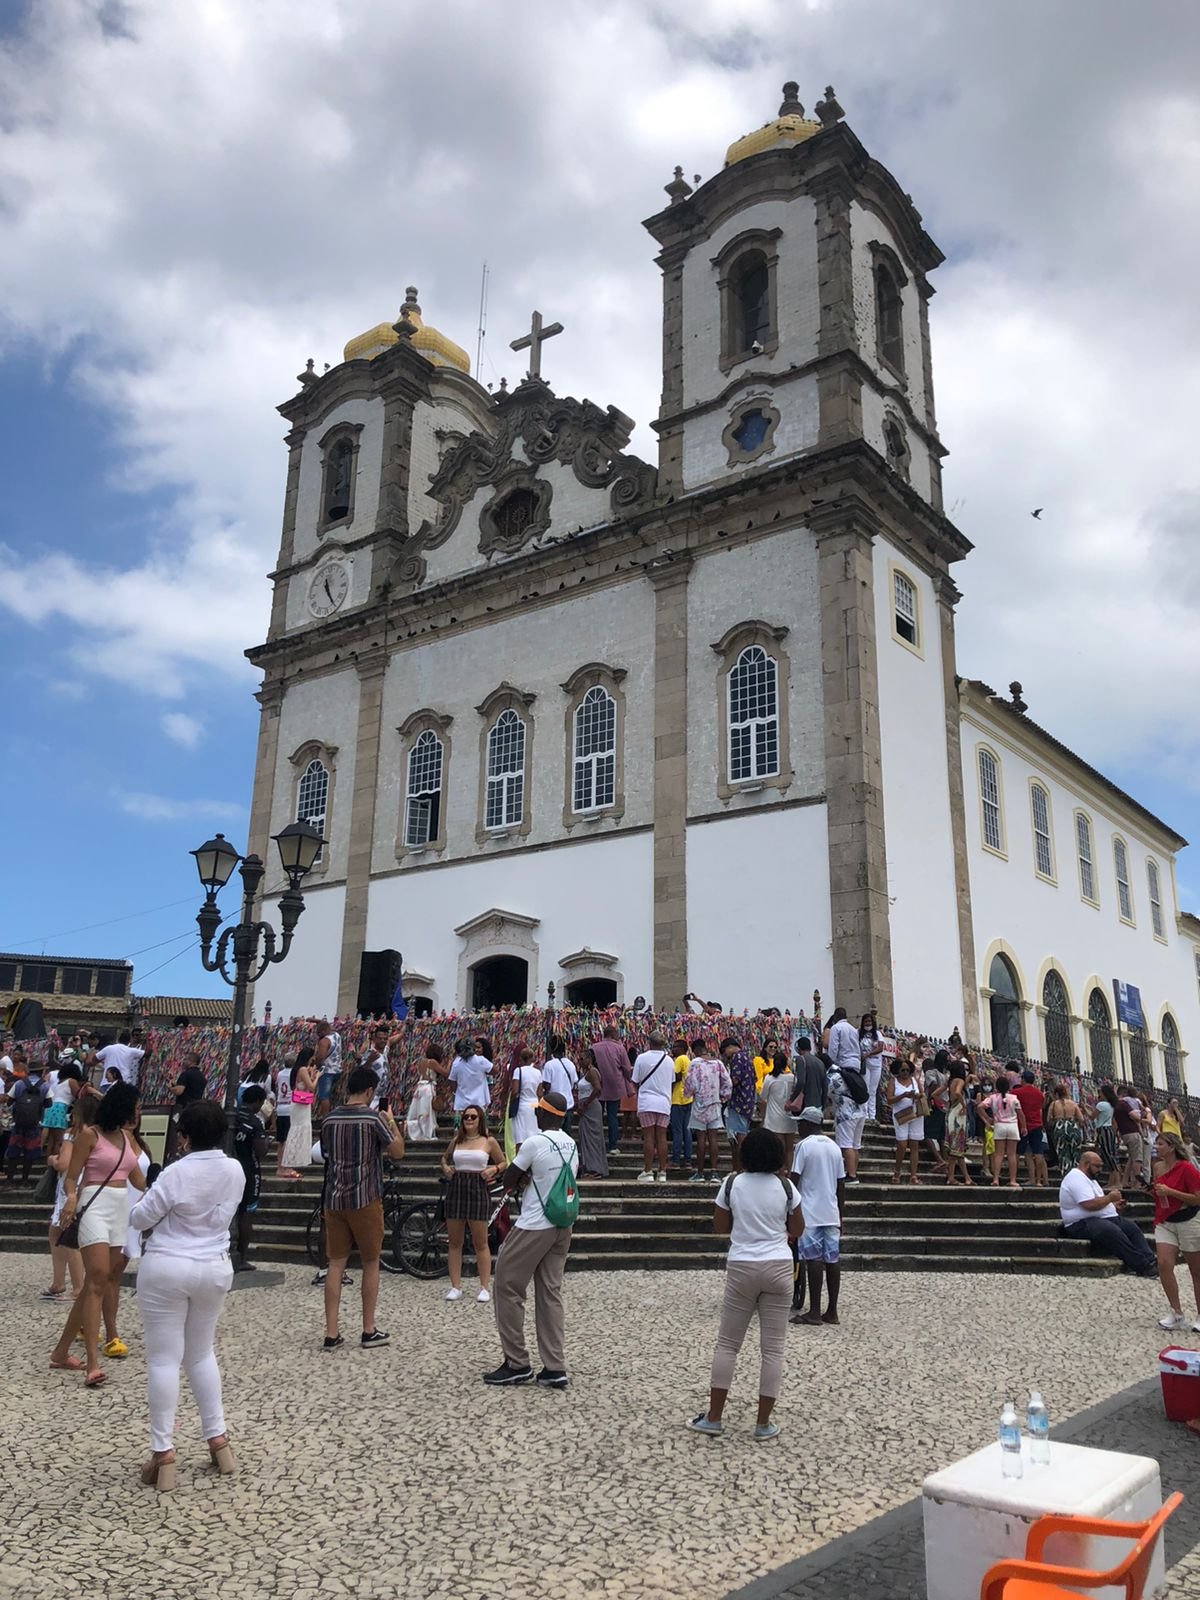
70	961
165	1005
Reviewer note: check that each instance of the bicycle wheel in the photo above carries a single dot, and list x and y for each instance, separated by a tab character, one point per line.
314	1236
390	1259
419	1240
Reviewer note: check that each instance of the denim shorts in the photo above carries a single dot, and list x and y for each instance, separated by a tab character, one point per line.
325	1085
1034	1143
736	1123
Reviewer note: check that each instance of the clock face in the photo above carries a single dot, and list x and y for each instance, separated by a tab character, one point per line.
329	588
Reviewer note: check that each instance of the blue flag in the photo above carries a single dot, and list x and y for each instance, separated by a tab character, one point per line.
399	1004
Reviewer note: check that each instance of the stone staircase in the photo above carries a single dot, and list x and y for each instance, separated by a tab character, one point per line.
624	1224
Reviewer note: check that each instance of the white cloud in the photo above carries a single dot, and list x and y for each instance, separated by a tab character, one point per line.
183	259
158	808
183	729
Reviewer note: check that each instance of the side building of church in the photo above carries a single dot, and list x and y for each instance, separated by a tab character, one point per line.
567	717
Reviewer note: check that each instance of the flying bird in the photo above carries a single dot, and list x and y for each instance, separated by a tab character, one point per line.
1037	515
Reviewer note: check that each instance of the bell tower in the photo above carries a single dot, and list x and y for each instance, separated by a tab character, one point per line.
795	297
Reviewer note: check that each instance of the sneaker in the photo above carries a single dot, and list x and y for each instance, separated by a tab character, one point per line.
1172	1320
376	1336
319	1276
483	1297
335	1343
550	1378
660	1177
1196	1326
347	1280
453	1294
712	1177
697	1177
702	1424
766	1430
850	1182
506	1374
117	1349
645	1177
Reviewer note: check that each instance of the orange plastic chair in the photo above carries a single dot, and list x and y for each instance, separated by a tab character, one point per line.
1033	1579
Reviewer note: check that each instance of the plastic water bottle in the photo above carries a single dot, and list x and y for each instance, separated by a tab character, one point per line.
1037	1425
1010	1442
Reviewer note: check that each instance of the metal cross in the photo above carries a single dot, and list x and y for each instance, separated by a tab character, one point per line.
533	341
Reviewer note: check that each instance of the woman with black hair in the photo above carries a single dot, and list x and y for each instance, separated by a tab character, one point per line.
182	1283
104	1163
759	1209
1106	1131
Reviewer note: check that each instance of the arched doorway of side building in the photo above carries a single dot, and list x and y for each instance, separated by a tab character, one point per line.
499	981
594	992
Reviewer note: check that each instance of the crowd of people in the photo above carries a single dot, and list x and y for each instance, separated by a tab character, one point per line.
705	1108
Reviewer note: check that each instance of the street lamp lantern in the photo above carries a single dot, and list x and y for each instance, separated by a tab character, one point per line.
215	861
299	846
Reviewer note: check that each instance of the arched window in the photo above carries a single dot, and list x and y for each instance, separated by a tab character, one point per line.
1043	854
312	796
1139	1059
423	802
1121	869
1059	1052
750	282
504	805
1101	1035
339	470
889	317
1004	1005
753	716
1083	849
989	800
1154	885
595	754
1170	1044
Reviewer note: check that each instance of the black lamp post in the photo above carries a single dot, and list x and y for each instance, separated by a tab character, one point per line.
299	846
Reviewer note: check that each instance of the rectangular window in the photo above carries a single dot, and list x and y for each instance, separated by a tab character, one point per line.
77	980
111	982
424	805
905	596
8	976
1121	868
37	979
1083	840
1043	855
989	794
1156	913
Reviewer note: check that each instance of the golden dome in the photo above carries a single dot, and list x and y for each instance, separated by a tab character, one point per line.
791	126
432	344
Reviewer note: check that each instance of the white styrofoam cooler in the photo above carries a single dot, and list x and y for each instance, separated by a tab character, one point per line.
974	1516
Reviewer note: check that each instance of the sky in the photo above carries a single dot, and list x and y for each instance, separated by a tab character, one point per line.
195	199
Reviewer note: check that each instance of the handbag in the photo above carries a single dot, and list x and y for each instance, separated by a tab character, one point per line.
44	1189
921	1106
68	1238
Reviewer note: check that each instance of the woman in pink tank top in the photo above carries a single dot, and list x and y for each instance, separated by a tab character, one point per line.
104	1163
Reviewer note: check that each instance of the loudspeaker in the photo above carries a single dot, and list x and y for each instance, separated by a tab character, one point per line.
378	974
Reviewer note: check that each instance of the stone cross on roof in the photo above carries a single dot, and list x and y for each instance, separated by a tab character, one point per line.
533	341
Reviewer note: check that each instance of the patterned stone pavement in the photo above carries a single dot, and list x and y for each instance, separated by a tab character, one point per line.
395	1472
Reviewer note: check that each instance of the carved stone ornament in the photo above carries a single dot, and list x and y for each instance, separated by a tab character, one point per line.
577	433
518	512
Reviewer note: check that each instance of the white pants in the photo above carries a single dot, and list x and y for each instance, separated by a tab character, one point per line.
872	1072
181	1301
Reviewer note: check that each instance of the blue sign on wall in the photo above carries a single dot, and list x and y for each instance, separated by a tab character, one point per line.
1129	1004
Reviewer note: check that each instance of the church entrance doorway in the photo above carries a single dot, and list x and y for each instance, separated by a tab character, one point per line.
499	981
594	992
1005	1007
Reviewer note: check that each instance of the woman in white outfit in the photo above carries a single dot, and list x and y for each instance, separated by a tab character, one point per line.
525	1083
297	1152
182	1283
871	1047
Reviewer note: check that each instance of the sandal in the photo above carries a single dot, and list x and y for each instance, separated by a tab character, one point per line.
96	1379
71	1364
160	1473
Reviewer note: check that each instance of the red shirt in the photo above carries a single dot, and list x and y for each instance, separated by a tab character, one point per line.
1182	1176
1032	1100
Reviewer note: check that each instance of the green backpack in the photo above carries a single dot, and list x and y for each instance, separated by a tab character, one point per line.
561	1206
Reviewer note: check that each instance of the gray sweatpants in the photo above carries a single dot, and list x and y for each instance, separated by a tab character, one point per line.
750	1286
540	1254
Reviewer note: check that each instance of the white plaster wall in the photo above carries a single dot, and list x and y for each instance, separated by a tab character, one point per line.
1043	921
305	985
536	653
367	410
598	893
926	970
874	410
797	296
324	709
773	580
705	454
759	931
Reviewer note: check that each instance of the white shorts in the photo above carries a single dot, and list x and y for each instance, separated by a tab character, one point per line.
848	1131
1007	1130
106	1220
911	1132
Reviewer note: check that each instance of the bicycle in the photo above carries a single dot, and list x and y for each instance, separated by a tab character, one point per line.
421	1244
314	1233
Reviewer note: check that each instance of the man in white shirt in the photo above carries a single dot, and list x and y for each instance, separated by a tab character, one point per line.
653	1076
560	1073
1088	1212
535	1248
125	1057
820	1174
470	1073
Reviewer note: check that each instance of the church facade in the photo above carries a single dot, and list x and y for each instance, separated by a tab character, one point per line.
565	716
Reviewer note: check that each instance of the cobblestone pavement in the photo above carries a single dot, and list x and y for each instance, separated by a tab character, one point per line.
395	1472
